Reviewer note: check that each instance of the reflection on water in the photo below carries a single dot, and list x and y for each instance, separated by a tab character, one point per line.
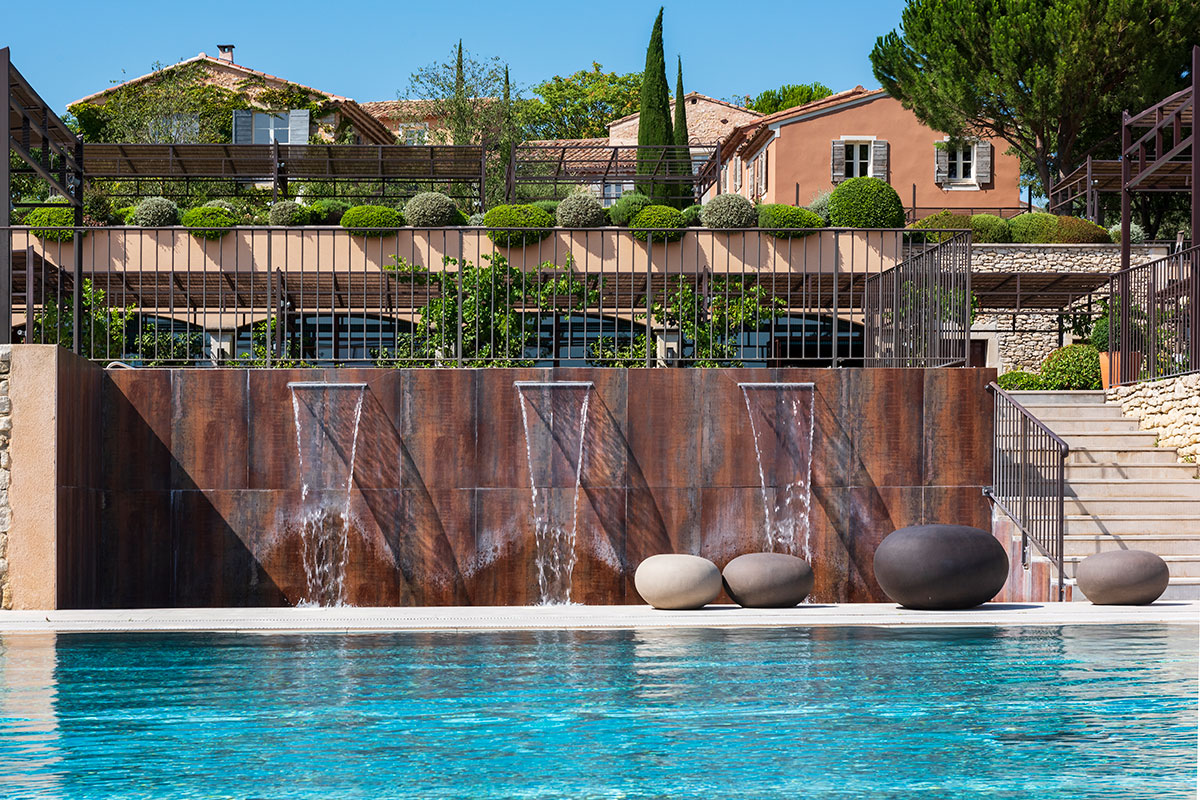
936	712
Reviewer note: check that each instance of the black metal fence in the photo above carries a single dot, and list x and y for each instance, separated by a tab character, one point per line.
446	297
1029	479
1154	319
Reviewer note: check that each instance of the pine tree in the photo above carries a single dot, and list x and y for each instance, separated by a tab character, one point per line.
654	122
681	159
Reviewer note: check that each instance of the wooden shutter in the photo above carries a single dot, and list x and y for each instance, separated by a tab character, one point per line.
298	126
879	159
983	162
243	126
837	161
941	167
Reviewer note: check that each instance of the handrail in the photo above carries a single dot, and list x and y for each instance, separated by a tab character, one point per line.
1029	479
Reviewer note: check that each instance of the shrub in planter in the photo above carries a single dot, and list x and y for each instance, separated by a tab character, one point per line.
788	222
155	212
224	204
943	221
819	205
662	223
208	222
97	209
534	222
52	217
727	211
1033	227
629	206
1137	234
288	213
327	210
125	214
865	203
1019	380
431	210
580	211
1076	366
691	216
1075	230
549	206
476	219
989	229
371	220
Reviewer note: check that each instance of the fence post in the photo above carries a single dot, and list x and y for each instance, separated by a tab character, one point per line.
458	279
1023	483
650	301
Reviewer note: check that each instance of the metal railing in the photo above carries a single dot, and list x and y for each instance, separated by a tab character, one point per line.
1154	319
258	296
1029	479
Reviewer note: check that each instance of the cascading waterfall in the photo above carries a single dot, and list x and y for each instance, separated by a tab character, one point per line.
786	518
554	538
327	480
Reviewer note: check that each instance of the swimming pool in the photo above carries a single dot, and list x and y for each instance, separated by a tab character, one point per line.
1076	711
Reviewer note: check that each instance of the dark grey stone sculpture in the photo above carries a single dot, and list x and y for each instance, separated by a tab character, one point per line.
676	581
941	566
1122	578
767	580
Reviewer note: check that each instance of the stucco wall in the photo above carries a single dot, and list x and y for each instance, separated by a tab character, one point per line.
1169	408
5	472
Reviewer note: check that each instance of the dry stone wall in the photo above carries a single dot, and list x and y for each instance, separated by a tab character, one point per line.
1169	408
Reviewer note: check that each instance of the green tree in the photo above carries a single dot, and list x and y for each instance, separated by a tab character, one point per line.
581	105
681	159
654	122
787	96
1049	77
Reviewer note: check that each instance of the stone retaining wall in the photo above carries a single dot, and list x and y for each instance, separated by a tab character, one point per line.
1170	408
5	467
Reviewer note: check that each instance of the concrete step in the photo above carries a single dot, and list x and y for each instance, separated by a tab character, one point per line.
1126	506
1050	414
1179	544
1109	441
1090	489
1127	524
1063	427
1122	456
1179	566
1131	472
1042	398
1181	589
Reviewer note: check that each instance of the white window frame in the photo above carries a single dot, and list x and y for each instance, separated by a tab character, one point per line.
954	163
270	123
860	142
414	134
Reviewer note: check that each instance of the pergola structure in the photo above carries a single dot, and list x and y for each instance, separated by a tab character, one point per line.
1103	176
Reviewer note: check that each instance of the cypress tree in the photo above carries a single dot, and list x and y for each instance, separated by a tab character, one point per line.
681	129
681	158
654	121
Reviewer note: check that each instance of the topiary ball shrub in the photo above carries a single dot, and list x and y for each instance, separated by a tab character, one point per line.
371	220
155	212
53	218
288	213
942	222
431	210
225	204
1019	380
691	216
208	222
658	224
865	203
788	222
1074	367
629	206
327	210
1137	234
989	229
727	211
819	205
1033	227
1075	230
534	224
580	211
549	206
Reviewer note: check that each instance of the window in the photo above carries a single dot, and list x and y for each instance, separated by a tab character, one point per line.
736	168
858	159
416	133
270	127
612	193
960	168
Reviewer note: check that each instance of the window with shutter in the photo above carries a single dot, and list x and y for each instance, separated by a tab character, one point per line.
837	162
983	162
270	127
298	126
879	159
766	169
941	165
857	159
243	126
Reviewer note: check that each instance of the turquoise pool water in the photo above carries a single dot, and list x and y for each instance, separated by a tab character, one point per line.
1066	712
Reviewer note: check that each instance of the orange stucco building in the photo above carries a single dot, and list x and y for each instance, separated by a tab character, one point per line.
793	155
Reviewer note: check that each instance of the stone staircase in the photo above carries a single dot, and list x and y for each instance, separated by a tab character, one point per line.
1122	491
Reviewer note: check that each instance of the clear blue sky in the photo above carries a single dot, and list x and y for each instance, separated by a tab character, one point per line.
367	50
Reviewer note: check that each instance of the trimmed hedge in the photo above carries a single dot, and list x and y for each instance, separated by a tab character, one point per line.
431	210
535	221
788	222
52	217
549	206
155	212
989	229
371	220
691	216
865	203
664	223
1033	227
288	213
1019	380
622	212
1074	367
208	222
1075	230
728	211
581	211
327	210
943	220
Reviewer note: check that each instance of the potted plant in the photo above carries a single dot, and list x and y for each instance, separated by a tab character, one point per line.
1110	351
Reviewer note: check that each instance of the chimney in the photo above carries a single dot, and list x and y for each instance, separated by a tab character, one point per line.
225	52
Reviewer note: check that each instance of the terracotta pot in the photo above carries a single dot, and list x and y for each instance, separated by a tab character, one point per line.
1106	377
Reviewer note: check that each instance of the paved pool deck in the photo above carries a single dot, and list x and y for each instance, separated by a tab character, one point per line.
493	618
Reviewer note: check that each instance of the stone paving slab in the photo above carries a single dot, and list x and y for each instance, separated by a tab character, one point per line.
480	618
